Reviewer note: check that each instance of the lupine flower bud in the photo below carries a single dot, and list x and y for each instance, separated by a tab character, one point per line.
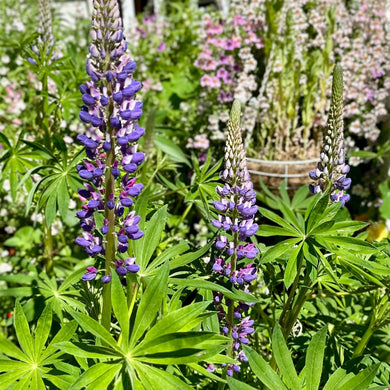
331	171
45	42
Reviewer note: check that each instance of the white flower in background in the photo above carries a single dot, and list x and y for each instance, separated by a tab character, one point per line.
6	185
36	217
354	161
201	142
357	190
213	120
72	204
10	229
354	127
278	67
3	212
5	59
68	140
56	227
184	106
224	116
217	135
206	259
297	329
5	267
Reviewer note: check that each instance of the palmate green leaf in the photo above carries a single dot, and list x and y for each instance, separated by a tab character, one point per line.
316	214
237	295
234	384
100	373
280	221
23	331
278	250
16	292
154	379
345	227
42	331
168	254
37	382
300	199
10	377
150	303
339	377
14	365
361	380
292	265
92	326
314	360
322	228
188	258
86	351
263	370
119	305
144	248
10	349
270	231
63	197
61	381
171	149
187	342
51	209
205	372
24	382
177	321
348	243
283	359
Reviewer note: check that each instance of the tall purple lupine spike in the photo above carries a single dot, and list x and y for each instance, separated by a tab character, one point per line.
236	209
112	112
331	171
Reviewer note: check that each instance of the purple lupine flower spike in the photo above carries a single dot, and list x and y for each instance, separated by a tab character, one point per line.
236	213
330	175
111	111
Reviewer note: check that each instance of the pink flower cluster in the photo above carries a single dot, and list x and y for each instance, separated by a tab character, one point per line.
363	45
228	58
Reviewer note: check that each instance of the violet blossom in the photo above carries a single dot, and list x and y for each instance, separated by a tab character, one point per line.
236	213
112	157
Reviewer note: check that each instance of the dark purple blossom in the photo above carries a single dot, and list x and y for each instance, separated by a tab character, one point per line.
111	111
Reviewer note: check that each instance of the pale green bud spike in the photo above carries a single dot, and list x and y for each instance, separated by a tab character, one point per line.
236	171
332	154
235	112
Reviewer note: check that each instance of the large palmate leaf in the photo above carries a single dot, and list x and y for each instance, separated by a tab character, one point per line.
146	338
25	368
310	376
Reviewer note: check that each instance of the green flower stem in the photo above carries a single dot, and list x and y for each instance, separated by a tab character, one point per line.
365	339
110	215
44	123
283	320
47	249
375	324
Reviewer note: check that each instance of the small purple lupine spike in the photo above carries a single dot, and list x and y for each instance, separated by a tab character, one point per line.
331	171
236	209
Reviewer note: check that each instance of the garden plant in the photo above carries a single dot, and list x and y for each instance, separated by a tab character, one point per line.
138	250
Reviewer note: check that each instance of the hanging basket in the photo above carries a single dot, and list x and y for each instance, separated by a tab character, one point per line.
272	173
